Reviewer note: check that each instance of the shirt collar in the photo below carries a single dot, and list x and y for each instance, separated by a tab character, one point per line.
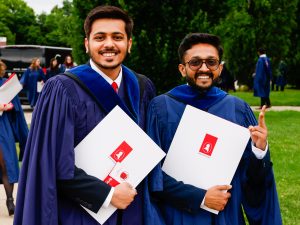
263	55
105	77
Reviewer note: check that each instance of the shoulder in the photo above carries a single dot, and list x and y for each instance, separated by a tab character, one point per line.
62	85
239	105
242	110
143	80
164	103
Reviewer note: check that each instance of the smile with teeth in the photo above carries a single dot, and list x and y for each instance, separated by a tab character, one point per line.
203	77
108	54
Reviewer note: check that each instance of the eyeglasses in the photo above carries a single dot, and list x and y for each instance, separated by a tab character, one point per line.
196	63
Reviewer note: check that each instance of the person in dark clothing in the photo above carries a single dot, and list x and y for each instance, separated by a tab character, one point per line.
52	189
252	190
262	78
53	69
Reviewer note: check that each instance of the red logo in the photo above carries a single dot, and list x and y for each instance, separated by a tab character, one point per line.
124	175
121	152
208	144
111	181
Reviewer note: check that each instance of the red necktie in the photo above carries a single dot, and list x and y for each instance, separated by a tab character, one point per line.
115	86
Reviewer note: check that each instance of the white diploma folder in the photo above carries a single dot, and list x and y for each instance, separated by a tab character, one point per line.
205	150
9	89
118	147
39	86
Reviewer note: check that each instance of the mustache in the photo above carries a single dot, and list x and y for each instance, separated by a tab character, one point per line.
109	50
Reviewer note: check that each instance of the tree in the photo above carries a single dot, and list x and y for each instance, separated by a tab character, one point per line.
293	56
18	19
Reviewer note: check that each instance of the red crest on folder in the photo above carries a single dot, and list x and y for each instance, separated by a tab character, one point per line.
208	144
111	181
121	152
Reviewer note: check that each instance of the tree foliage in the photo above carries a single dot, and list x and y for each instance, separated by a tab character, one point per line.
159	27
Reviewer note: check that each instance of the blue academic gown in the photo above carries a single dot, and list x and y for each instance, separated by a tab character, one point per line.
29	79
262	78
13	128
253	185
64	117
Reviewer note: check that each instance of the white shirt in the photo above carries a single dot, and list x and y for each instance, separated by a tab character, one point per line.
110	81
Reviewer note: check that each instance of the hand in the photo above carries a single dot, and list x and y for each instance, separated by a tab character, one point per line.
259	133
216	197
6	107
123	195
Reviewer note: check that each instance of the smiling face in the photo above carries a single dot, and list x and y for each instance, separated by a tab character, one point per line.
203	78
108	45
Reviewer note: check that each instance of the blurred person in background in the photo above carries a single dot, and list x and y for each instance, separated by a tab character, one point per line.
262	78
13	128
30	78
68	64
53	69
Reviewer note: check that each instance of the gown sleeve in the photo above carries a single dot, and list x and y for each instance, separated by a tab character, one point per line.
84	189
24	78
260	200
19	125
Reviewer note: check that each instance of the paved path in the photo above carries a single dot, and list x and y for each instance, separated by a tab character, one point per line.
278	108
5	219
8	220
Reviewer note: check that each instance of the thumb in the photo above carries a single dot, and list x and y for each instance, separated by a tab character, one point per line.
224	187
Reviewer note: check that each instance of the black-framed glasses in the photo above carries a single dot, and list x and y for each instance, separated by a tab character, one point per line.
196	63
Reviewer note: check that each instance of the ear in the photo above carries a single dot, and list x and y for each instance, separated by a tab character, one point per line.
220	69
129	45
182	70
86	44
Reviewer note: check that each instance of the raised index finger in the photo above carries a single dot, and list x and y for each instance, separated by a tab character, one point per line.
261	117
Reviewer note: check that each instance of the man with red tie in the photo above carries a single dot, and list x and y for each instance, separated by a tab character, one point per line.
52	189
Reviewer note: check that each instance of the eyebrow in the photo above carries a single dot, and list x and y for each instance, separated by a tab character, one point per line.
117	32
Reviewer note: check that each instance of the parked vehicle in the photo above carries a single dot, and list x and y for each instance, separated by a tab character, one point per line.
18	57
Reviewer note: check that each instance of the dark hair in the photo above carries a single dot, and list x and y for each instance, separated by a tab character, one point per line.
51	64
262	50
196	38
110	12
67	64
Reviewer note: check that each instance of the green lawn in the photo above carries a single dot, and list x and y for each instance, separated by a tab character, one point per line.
290	97
284	134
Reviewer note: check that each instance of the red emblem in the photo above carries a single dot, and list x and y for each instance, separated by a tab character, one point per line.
208	144
111	181
121	152
124	175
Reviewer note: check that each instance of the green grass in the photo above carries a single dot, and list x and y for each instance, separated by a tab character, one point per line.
288	97
284	134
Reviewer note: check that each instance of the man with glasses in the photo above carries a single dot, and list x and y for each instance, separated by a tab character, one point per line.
253	186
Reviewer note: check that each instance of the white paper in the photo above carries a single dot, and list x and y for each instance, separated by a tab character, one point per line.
39	86
9	90
93	153
185	163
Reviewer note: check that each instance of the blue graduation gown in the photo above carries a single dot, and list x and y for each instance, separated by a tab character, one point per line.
64	115
255	192
262	78
29	79
13	129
